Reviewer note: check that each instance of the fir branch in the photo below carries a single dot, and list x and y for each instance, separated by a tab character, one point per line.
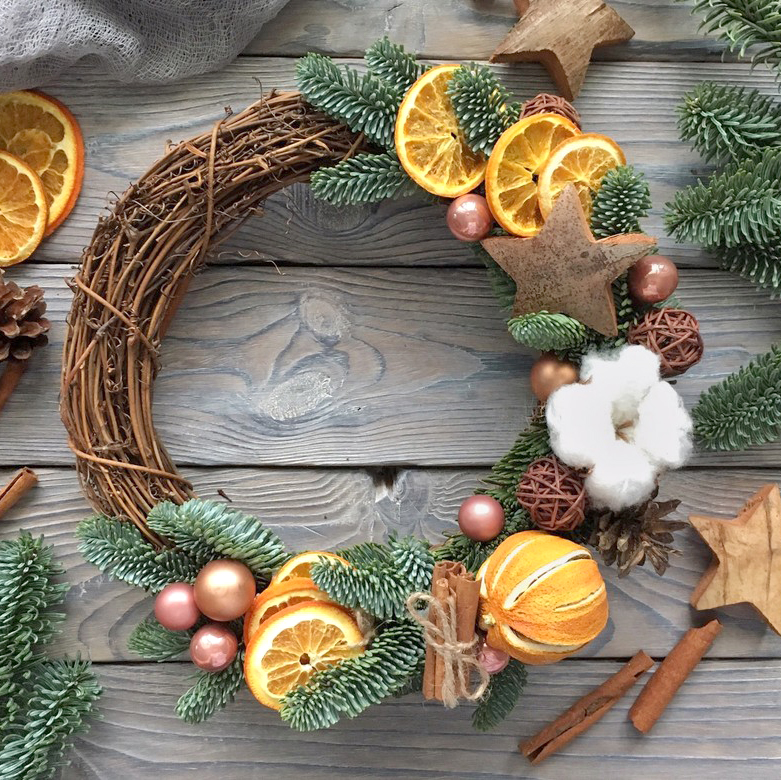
545	331
391	63
724	122
154	642
483	107
207	530
622	200
745	24
740	205
119	550
501	697
62	696
760	264
351	686
365	178
211	692
366	104
744	409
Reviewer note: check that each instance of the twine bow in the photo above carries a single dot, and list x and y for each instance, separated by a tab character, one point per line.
459	659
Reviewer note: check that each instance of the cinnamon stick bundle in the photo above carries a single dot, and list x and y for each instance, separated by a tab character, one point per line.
585	712
671	674
20	483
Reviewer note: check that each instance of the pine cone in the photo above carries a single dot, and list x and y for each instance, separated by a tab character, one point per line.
630	538
22	324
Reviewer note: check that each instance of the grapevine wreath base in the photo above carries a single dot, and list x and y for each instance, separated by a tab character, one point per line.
515	586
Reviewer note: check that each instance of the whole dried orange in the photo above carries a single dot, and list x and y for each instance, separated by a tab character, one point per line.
515	163
583	161
301	565
429	142
23	210
288	648
41	131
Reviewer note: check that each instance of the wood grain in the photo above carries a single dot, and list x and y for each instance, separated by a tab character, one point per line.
726	712
127	128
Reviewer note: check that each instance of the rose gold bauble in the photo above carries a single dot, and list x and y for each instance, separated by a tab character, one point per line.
224	590
549	373
213	647
481	518
492	660
175	607
469	218
652	279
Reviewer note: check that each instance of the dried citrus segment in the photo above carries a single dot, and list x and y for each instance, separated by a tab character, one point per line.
41	131
301	565
279	596
429	142
23	210
582	161
288	648
515	163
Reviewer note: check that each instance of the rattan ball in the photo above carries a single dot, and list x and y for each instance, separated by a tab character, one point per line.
554	495
674	335
551	104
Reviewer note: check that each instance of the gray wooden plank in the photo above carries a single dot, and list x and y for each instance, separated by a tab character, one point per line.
466	29
126	131
724	720
319	366
327	509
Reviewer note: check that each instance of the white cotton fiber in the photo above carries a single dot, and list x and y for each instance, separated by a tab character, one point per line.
668	444
622	477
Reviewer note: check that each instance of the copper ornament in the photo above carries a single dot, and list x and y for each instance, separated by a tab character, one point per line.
652	279
224	590
549	373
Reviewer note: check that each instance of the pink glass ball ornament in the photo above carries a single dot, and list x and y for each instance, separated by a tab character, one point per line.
175	607
213	647
469	218
492	660
652	279
481	518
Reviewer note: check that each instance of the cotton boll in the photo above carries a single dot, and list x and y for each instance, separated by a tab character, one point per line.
664	428
580	426
622	477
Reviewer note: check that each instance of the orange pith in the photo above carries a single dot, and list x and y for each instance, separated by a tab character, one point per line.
23	210
429	142
41	131
301	565
288	648
515	163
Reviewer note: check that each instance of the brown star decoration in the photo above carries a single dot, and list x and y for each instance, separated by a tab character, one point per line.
746	565
562	34
565	269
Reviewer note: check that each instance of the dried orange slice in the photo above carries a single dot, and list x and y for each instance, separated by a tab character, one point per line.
515	163
429	142
277	597
41	131
288	648
23	210
301	565
583	161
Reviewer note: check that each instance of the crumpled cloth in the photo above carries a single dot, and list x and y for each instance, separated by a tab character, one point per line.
132	40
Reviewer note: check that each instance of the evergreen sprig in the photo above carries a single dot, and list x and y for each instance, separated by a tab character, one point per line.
622	200
725	122
61	697
351	686
483	106
365	178
393	64
211	692
365	103
500	699
760	264
546	332
154	642
744	409
381	576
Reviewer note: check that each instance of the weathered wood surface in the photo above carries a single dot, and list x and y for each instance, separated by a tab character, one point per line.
127	128
724	723
326	509
326	366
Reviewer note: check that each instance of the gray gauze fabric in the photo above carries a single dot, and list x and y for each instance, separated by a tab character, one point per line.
132	40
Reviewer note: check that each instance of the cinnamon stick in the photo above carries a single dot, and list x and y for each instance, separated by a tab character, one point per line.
467	599
12	373
441	571
20	483
586	711
440	591
671	674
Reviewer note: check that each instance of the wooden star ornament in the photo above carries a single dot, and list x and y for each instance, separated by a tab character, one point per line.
564	269
562	34
746	565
